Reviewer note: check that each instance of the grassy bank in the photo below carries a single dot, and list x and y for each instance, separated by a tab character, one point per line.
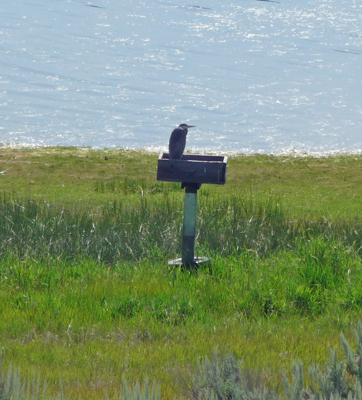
80	177
87	296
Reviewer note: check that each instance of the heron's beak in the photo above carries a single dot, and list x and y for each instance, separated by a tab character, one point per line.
191	126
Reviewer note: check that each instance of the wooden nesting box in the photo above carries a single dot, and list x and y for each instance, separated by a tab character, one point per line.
192	168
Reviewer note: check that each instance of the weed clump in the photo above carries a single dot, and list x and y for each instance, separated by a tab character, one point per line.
336	381
147	391
13	387
221	378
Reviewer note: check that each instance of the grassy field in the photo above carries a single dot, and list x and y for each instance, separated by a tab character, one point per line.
87	296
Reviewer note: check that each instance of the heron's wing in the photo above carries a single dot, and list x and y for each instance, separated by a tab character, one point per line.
177	143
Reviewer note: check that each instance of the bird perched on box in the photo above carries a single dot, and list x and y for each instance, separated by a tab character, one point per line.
177	142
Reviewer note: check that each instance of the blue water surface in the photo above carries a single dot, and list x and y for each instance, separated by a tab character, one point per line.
254	76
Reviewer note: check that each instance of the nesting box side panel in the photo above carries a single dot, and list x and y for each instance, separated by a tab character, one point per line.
224	171
169	171
191	171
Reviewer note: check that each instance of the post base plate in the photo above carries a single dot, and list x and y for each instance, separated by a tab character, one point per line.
177	262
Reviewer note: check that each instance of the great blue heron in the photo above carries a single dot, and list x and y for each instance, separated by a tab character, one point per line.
177	142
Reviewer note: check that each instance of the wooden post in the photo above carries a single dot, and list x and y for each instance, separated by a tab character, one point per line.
192	170
189	227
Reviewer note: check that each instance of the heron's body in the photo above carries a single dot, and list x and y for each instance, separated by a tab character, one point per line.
177	142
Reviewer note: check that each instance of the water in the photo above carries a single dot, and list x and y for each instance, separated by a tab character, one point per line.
254	76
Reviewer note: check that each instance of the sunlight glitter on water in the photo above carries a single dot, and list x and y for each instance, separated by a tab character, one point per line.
254	76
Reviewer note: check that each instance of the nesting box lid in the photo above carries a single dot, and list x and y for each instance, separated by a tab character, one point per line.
192	168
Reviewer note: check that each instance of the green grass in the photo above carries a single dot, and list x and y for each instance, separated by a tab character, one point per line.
87	296
82	177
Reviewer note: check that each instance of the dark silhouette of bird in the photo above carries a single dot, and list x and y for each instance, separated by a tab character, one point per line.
177	142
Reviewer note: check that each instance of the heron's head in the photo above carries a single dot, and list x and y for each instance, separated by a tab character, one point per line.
186	127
